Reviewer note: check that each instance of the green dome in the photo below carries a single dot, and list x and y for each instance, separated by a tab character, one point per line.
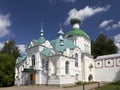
41	40
61	48
75	20
76	31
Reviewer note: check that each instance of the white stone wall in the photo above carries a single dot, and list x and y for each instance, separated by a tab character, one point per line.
88	60
84	44
107	70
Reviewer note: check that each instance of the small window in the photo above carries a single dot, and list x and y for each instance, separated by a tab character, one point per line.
33	60
46	65
98	63
69	36
43	63
76	76
76	60
66	67
109	62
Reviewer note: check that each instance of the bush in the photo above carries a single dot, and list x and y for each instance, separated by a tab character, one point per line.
79	83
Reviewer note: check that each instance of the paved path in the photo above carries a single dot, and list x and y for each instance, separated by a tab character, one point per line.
87	87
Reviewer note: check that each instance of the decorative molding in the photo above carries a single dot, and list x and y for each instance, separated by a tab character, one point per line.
99	62
117	62
109	63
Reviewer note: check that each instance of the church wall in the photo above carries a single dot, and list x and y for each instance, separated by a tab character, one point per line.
88	71
42	73
83	44
68	78
78	69
107	70
53	73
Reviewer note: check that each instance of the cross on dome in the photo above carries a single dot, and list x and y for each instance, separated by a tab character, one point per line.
60	33
41	31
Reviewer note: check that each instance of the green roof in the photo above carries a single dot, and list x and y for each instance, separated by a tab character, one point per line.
41	40
21	59
76	31
61	48
46	52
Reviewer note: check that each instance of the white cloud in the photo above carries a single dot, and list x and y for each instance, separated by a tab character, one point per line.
115	26
117	38
85	13
5	23
1	45
112	26
105	23
21	48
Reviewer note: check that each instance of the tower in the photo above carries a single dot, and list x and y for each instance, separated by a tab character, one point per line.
78	36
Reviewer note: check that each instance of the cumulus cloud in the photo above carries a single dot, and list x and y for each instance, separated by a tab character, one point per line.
1	45
21	48
117	42
112	26
5	23
105	23
85	12
117	38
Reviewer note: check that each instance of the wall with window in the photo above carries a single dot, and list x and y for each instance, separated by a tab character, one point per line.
86	67
84	44
107	69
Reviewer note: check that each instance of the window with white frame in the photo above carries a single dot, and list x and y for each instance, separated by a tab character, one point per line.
43	63
46	65
33	60
76	60
66	67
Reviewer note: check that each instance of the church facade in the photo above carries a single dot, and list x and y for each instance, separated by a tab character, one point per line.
62	61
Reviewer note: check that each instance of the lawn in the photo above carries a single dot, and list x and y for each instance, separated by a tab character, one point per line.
112	86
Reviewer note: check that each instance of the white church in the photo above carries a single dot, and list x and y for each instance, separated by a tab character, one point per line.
65	60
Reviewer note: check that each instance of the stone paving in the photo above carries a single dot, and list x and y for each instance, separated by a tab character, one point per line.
87	87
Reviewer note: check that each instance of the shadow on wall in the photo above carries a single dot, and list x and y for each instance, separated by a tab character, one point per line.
117	77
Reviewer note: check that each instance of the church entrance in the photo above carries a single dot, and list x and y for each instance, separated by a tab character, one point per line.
32	78
90	77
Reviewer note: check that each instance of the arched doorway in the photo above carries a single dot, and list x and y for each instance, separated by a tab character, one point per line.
32	78
90	77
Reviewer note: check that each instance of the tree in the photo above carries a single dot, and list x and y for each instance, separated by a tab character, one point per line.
11	49
7	68
8	56
103	46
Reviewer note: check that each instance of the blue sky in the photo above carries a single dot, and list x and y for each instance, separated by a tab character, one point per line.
21	19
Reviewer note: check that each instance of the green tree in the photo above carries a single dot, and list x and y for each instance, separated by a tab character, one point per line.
8	56
103	46
7	68
11	49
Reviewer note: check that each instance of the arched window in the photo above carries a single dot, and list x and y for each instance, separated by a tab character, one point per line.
66	67
76	60
46	65
43	63
33	60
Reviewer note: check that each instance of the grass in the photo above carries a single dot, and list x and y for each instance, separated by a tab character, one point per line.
112	86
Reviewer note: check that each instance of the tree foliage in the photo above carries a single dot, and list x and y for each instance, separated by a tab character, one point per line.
103	46
8	56
11	49
7	68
